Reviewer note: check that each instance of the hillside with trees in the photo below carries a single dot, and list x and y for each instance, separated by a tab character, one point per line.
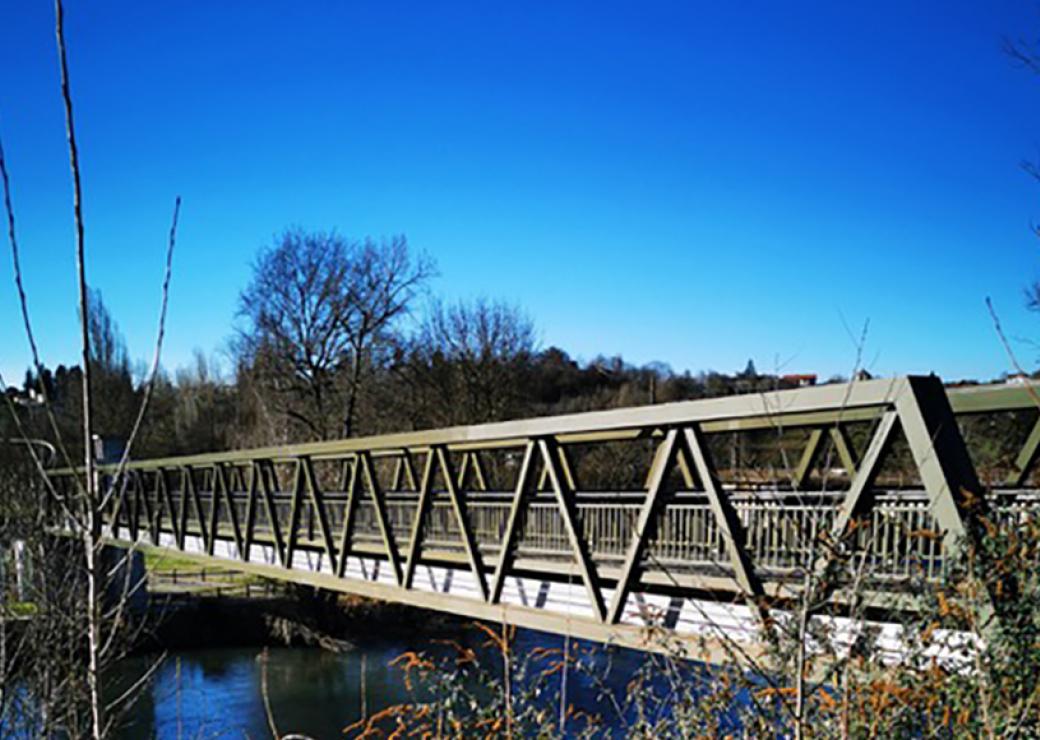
337	337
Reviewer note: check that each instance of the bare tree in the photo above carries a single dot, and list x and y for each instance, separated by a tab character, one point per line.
82	600
386	278
316	311
297	310
92	526
470	362
201	408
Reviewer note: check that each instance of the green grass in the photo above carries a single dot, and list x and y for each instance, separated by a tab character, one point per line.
21	608
166	563
157	562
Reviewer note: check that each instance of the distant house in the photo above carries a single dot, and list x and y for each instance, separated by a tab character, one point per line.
29	398
799	381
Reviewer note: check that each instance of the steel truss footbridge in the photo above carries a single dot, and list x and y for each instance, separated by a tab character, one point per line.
598	524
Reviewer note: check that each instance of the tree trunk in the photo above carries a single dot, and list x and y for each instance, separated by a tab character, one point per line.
91	546
355	384
93	522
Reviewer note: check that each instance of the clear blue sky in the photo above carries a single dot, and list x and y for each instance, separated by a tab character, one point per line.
695	183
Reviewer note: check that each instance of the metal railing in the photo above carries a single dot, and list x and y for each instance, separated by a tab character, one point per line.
783	535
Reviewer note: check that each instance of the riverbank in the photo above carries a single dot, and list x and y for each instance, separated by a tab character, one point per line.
290	617
314	662
227	658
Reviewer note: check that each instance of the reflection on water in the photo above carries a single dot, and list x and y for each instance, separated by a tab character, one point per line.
216	693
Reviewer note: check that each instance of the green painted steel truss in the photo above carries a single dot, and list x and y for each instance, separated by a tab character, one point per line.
535	498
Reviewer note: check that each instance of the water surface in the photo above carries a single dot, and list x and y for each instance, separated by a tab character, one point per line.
216	692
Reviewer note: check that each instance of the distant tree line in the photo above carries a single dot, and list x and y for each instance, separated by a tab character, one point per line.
336	337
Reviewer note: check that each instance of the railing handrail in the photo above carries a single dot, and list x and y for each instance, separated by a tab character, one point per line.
840	402
798	407
991	398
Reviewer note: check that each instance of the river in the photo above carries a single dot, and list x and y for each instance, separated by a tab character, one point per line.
216	692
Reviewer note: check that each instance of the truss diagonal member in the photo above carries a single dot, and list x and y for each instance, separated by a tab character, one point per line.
395	481
267	491
458	504
140	503
1026	459
346	535
569	513
294	512
185	503
150	510
470	466
843	446
134	508
403	469
171	510
117	508
543	480
689	480
237	478
860	497
463	470
317	500
188	476
471	462
160	505
507	547
646	525
346	471
223	481
955	495
479	473
726	517
214	511
136	505
422	508
686	471
382	519
565	467
409	470
252	496
125	503
801	474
